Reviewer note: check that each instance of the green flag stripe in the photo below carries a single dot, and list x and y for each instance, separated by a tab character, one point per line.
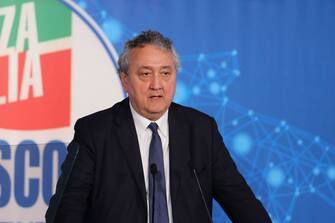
52	17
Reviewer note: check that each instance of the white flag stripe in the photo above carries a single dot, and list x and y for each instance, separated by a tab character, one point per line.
47	46
55	45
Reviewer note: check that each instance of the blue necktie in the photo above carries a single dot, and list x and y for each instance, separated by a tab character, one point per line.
156	158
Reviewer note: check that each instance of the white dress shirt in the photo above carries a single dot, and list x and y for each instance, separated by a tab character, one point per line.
144	135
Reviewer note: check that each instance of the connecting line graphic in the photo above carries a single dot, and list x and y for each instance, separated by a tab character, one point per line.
281	163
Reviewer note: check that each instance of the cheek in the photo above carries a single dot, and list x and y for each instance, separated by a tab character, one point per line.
134	86
171	89
140	92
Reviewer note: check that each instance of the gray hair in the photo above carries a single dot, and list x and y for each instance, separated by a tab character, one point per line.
146	38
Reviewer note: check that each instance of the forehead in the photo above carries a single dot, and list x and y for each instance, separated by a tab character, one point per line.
151	56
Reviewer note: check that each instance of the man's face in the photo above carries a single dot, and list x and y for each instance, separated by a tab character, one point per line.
151	80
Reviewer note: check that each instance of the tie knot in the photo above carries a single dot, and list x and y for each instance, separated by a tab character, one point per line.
153	126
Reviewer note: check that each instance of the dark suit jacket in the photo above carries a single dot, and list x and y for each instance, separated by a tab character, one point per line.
106	181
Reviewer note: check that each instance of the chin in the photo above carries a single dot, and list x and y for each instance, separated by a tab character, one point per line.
157	111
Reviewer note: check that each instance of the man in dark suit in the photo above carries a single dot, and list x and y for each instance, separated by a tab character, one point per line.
147	159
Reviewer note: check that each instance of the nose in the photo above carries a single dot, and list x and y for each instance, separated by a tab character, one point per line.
155	82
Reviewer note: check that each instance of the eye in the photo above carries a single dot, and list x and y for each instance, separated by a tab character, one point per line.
165	73
145	73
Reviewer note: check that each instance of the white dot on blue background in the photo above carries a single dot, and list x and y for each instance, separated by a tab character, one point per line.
237	72
288	218
316	171
182	92
211	73
275	177
331	173
201	57
223	64
214	88
242	143
103	13
82	4
297	192
225	100
196	90
113	29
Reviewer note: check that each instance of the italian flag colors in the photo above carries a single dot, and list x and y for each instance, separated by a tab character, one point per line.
35	64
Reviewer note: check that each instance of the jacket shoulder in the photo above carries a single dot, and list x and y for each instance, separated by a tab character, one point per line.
190	114
100	119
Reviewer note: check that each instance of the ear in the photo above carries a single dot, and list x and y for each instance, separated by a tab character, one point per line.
124	81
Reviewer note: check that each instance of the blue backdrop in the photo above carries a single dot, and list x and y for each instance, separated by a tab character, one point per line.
265	71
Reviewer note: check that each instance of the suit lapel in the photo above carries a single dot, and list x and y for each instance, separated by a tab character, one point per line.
129	143
179	146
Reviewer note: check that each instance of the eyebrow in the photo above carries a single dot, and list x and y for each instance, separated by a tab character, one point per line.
150	67
166	67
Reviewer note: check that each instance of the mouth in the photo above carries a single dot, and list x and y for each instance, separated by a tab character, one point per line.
155	96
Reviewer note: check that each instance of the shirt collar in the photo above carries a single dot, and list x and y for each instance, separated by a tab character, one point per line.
142	123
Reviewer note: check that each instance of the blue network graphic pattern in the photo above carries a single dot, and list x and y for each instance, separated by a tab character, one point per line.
281	162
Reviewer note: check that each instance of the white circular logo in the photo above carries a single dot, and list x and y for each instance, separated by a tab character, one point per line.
56	65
